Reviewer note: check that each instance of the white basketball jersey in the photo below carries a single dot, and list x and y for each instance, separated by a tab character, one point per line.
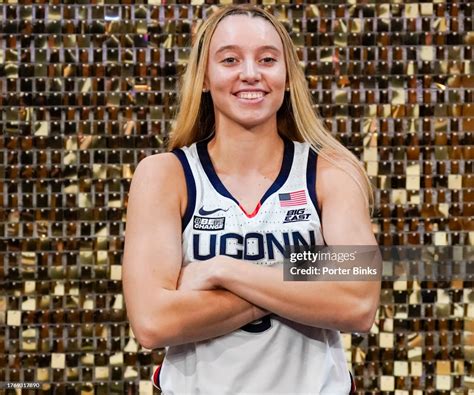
274	355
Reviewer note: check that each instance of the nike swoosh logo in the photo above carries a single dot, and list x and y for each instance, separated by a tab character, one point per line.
205	212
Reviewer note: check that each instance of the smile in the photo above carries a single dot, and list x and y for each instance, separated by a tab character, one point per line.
250	95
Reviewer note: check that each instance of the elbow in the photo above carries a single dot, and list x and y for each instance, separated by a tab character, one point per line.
147	338
151	337
364	323
155	326
364	318
151	334
149	341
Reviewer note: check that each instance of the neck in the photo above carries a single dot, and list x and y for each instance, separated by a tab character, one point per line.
240	150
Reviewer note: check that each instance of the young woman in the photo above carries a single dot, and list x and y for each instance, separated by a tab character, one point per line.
207	225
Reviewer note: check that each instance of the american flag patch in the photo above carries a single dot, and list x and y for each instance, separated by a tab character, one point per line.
297	198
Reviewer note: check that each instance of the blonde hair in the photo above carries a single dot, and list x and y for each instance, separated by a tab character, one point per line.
296	119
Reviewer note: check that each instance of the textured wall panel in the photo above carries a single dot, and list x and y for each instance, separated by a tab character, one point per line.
88	90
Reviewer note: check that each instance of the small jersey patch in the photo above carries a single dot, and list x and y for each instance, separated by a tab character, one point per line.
291	199
297	215
202	223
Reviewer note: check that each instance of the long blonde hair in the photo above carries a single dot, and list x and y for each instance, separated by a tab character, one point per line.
296	118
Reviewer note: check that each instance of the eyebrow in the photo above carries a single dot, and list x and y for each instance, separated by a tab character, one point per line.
226	47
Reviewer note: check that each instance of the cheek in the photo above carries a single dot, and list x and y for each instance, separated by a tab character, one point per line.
278	78
219	77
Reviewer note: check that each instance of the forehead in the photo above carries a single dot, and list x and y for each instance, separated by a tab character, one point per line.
245	32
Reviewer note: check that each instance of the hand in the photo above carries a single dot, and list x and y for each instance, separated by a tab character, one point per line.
198	276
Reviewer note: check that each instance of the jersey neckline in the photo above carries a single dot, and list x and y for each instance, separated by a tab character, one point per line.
205	159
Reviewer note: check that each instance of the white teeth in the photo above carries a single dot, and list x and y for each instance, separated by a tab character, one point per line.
250	95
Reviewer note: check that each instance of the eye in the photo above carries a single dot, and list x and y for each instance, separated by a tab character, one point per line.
268	59
229	60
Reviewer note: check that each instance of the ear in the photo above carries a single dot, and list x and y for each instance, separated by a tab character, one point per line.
205	84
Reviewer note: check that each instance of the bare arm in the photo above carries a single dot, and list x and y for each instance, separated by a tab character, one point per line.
161	315
340	305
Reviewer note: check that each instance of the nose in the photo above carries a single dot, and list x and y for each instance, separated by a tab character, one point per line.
250	72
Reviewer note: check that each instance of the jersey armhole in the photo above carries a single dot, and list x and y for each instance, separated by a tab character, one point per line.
190	187
311	183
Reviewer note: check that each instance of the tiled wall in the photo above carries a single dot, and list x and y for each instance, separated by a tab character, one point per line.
87	90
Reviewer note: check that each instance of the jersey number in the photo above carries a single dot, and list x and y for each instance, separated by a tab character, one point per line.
258	326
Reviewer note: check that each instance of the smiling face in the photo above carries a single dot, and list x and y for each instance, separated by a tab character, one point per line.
246	71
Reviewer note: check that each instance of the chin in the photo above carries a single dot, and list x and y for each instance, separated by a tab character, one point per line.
253	119
248	124
246	119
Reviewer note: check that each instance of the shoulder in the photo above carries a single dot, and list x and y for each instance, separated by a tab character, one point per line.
344	201
336	165
163	166
159	162
159	172
338	175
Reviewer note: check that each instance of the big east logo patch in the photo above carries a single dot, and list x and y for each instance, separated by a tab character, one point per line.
297	215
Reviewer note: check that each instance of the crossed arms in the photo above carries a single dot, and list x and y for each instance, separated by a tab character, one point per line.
168	305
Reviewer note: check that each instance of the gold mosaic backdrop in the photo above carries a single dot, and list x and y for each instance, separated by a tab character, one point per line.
88	90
